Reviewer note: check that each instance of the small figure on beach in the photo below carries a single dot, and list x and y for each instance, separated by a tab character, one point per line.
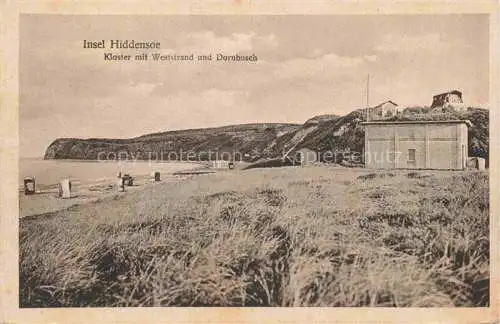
121	183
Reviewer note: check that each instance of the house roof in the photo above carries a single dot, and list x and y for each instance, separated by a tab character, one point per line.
452	91
409	122
380	104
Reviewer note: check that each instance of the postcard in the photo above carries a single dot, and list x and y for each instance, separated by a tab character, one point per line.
239	161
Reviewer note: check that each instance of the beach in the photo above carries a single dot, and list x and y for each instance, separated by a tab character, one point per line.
91	181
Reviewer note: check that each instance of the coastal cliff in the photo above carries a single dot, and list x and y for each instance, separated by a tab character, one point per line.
254	141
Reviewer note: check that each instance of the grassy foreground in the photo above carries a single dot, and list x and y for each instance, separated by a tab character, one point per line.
313	236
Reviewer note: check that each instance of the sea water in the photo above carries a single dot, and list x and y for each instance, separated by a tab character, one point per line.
49	172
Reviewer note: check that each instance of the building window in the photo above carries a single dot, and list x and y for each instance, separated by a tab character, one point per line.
411	155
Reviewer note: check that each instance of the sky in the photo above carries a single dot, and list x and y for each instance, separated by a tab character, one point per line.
307	66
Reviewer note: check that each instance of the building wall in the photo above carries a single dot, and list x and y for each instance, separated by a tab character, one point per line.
446	98
435	146
388	106
381	110
465	144
438	101
219	164
453	98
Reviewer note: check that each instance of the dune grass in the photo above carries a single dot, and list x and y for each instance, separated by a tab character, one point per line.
312	236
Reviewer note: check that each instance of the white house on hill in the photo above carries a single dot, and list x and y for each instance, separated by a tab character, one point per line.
384	109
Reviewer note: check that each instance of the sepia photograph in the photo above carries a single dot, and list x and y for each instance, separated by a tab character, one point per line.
274	160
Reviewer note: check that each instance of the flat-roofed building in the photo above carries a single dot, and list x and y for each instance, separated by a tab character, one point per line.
416	144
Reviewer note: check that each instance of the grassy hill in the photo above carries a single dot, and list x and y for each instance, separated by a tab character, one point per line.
249	139
318	236
261	141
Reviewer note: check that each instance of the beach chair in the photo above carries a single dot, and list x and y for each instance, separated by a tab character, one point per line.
29	186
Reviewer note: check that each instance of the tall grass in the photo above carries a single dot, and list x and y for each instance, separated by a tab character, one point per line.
301	237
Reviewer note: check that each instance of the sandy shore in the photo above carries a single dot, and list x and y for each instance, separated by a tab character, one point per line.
47	200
